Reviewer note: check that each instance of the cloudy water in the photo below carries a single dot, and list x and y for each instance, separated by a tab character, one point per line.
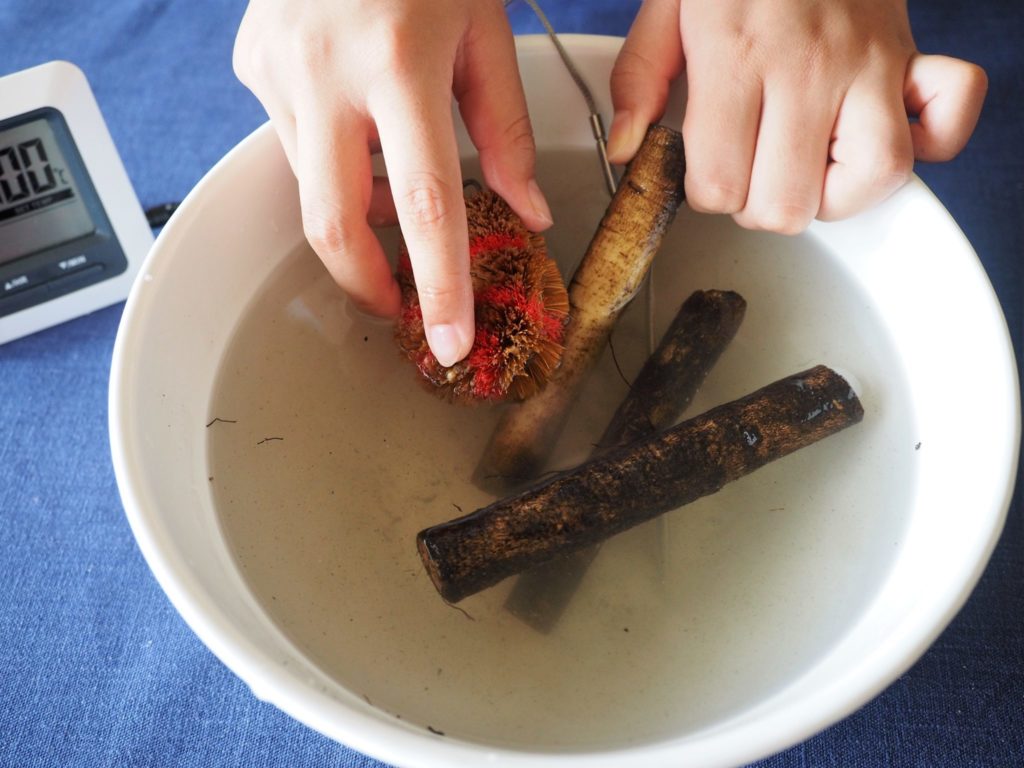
337	457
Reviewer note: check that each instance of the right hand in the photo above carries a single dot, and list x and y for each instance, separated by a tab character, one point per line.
341	79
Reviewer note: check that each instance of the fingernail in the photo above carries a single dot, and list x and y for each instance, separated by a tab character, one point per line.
446	343
540	205
620	137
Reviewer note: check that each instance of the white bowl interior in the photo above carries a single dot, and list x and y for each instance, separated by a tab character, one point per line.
907	292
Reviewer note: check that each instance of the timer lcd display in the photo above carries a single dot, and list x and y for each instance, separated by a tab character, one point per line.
41	204
72	232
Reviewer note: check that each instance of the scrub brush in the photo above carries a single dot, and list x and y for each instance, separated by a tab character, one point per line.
521	309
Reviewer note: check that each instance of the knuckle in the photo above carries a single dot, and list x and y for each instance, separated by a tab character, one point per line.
715	194
815	61
393	46
519	134
427	201
975	78
630	65
314	53
746	50
888	167
326	230
438	291
514	143
893	169
259	59
239	54
249	59
781	218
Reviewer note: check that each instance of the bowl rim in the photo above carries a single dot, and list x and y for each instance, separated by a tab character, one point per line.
395	741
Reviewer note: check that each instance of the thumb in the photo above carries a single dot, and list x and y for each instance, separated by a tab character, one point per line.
945	95
650	59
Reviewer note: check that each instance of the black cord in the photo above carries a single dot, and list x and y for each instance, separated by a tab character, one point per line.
596	124
158	215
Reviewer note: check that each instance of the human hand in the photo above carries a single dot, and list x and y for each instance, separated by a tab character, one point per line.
796	109
341	79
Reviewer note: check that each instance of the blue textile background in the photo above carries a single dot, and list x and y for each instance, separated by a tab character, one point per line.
97	669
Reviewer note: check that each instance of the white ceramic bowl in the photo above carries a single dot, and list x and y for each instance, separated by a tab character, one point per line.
855	558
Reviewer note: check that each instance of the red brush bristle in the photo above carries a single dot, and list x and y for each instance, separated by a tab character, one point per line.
554	327
521	307
504	296
485	360
412	313
493	241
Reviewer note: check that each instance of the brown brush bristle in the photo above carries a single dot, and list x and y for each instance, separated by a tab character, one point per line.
521	308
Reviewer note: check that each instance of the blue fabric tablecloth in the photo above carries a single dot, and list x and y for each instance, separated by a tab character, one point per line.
97	669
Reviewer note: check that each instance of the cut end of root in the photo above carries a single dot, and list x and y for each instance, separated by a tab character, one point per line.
430	563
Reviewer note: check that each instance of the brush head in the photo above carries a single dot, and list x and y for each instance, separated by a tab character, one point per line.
521	308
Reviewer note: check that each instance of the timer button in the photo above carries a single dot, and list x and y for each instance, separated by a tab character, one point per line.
58	269
22	282
71	264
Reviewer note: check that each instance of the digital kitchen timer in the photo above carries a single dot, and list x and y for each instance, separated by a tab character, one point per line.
72	232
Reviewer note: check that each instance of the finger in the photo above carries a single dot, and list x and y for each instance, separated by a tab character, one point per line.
789	160
414	121
381	212
723	113
871	150
490	95
333	169
650	59
945	95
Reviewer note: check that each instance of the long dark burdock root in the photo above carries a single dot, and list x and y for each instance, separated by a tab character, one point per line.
614	266
701	330
636	482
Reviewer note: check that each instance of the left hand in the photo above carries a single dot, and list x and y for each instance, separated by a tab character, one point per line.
796	109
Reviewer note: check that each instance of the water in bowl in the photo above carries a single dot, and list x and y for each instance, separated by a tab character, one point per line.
331	457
